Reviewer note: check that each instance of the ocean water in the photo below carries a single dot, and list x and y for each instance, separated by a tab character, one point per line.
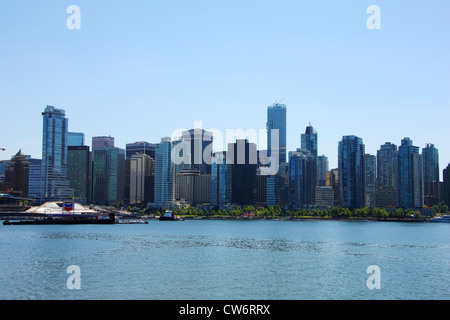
226	260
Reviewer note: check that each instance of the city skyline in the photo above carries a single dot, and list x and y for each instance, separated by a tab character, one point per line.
145	69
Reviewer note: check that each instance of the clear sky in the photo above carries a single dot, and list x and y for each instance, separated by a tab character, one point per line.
138	70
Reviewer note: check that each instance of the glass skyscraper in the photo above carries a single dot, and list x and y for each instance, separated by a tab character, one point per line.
54	156
387	176
108	175
430	163
410	175
78	172
164	175
301	178
220	181
351	152
276	119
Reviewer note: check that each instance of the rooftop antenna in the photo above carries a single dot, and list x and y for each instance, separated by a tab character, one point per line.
278	102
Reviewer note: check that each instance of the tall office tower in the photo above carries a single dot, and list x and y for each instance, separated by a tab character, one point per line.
431	185
410	175
309	142
35	185
140	147
79	172
387	176
351	172
430	163
333	182
302	181
192	187
17	173
75	139
164	175
322	168
370	171
101	142
220	181
241	157
108	176
139	167
197	144
276	120
446	185
54	156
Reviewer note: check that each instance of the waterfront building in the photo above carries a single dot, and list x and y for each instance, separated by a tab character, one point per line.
302	180
35	181
75	139
433	193
17	173
322	168
108	175
197	148
370	172
410	175
276	120
79	172
277	187
430	163
220	181
333	182
141	147
138	167
309	142
324	197
164	175
192	187
241	158
446	185
387	176
351	171
54	155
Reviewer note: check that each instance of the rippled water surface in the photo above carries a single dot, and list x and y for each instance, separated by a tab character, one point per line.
206	259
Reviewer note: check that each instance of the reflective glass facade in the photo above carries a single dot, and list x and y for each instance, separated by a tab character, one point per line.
351	172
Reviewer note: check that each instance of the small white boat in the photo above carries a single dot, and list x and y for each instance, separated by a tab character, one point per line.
443	219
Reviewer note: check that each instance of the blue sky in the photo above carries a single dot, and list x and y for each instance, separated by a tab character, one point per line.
138	70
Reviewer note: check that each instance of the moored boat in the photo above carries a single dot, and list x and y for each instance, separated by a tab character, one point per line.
169	216
443	219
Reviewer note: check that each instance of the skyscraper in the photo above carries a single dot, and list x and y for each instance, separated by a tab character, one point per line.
17	173
241	156
108	175
430	163
446	185
387	176
351	172
75	139
101	142
410	175
276	119
370	172
141	147
140	166
164	175
220	181
322	168
309	141
78	172
54	155
198	144
302	184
